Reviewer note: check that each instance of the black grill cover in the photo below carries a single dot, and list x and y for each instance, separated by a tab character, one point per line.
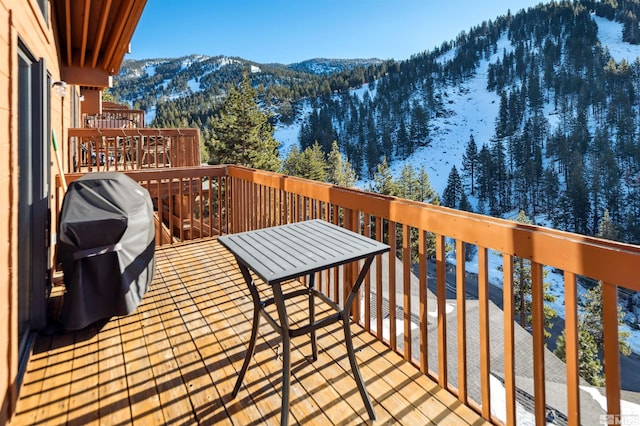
106	246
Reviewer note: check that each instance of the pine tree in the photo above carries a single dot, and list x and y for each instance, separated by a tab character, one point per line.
383	182
242	133
465	205
502	121
340	171
419	127
578	196
453	191
607	228
404	147
591	316
501	178
469	162
408	186
589	363
426	193
308	164
485	180
293	164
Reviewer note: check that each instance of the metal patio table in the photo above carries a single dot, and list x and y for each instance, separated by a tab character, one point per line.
286	252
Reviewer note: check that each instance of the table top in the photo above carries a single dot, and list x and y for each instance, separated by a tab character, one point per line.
289	251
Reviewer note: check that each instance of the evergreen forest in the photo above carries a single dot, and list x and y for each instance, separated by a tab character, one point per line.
566	144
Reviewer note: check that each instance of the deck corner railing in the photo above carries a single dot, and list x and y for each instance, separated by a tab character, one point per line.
416	300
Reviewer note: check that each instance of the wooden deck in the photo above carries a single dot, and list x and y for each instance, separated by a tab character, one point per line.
175	361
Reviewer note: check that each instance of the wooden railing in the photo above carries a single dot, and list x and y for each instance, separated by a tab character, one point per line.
117	118
189	203
238	199
125	149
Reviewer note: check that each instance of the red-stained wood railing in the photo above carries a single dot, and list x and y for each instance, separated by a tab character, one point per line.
246	199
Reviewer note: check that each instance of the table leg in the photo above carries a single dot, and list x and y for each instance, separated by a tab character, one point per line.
346	324
286	351
312	317
255	296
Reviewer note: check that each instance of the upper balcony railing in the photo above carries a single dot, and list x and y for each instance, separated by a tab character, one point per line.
404	302
122	149
114	116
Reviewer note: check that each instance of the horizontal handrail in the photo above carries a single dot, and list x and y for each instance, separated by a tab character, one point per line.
592	257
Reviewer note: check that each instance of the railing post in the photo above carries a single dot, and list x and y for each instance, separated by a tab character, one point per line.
537	324
509	330
611	347
441	276
571	348
406	281
461	295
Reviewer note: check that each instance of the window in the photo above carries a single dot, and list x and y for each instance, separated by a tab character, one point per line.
44	8
33	200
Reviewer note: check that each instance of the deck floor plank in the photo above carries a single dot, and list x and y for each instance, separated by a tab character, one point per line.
143	395
176	359
56	390
174	400
34	381
84	408
112	383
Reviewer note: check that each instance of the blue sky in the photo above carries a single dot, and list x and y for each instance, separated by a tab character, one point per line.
288	31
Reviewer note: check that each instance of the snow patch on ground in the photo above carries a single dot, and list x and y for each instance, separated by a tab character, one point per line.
150	70
194	85
610	35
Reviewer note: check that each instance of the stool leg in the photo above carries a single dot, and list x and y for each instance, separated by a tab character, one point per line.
250	349
286	352
312	317
346	324
254	329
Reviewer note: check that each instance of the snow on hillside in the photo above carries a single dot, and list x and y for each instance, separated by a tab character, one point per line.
473	110
610	35
150	69
193	84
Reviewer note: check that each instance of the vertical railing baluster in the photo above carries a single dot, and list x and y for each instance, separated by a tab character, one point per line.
537	324
406	280
509	342
367	279
336	271
392	287
441	276
171	209
379	293
223	204
160	212
255	204
571	348
423	266
180	206
461	296
352	268
611	347
485	356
